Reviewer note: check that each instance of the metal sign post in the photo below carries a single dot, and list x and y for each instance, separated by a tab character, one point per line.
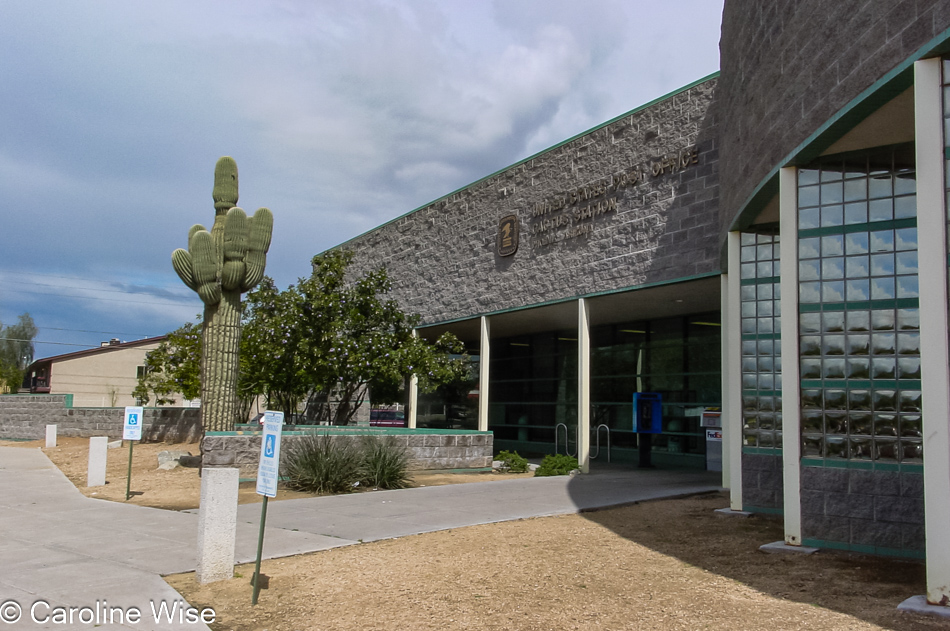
131	431
268	472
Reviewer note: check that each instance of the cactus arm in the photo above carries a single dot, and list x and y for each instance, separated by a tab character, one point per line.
205	268
261	227
225	192
235	245
195	228
181	261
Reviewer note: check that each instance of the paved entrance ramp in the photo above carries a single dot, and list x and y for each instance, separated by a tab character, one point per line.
388	514
69	550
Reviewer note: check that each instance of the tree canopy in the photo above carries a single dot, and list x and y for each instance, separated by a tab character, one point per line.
316	346
16	351
326	339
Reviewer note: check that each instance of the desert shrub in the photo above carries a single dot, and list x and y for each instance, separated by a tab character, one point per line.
558	464
315	463
512	462
385	463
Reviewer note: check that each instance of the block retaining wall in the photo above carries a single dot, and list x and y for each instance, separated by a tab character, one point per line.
25	416
428	451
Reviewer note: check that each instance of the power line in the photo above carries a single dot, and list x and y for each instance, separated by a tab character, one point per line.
72	277
10	339
114	291
54	328
134	302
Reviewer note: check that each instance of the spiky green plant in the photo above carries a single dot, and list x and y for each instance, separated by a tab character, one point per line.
320	463
220	265
385	463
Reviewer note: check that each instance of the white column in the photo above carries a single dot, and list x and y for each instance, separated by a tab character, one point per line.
583	386
50	436
732	422
98	456
413	395
484	348
935	352
217	524
791	380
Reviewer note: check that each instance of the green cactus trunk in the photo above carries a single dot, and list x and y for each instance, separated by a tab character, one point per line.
219	363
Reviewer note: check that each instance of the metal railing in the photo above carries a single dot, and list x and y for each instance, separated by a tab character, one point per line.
567	442
597	441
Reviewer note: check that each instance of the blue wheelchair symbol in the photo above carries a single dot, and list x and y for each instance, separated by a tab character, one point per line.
269	446
133	419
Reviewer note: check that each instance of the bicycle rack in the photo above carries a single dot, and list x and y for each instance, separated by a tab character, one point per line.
567	442
597	443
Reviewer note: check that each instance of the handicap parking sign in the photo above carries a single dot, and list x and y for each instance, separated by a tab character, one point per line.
268	471
132	430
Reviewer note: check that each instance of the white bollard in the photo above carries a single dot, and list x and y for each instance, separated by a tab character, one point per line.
96	473
50	436
217	524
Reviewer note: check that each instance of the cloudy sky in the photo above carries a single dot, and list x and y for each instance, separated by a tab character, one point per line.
341	115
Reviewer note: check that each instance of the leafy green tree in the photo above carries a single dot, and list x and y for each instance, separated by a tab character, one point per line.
174	366
16	351
325	339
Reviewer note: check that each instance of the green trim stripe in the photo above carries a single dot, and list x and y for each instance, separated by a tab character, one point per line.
904	384
761	393
862	465
862	305
761	336
762	510
861	549
760	281
762	451
907	222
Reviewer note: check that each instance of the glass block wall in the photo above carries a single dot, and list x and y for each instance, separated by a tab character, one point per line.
858	308
761	341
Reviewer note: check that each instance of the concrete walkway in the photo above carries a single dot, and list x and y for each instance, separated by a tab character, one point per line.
68	550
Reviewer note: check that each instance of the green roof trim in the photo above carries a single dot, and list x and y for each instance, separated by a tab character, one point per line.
660	99
866	103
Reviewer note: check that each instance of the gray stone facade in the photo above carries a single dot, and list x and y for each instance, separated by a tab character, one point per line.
429	451
863	509
25	416
762	486
630	203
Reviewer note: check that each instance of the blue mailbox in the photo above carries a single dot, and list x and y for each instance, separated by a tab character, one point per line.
647	412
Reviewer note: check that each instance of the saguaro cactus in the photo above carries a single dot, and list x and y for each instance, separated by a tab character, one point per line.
220	265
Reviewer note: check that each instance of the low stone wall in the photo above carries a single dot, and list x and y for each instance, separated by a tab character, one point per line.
25	416
428	450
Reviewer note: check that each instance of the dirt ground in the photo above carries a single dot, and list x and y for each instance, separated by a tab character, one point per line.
180	488
670	564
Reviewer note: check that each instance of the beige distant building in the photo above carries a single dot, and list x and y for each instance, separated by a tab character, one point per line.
98	377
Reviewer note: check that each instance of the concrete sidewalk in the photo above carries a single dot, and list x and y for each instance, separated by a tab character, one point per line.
72	551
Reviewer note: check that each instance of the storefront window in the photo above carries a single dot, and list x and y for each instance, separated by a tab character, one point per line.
858	309
534	385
